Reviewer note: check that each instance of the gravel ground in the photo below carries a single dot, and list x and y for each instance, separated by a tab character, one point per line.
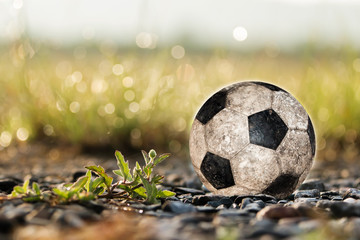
326	206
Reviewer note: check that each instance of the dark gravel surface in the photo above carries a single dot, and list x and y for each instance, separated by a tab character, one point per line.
326	206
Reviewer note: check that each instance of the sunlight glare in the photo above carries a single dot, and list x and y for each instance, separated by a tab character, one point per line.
240	34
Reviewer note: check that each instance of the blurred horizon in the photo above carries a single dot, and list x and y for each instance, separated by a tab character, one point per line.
241	25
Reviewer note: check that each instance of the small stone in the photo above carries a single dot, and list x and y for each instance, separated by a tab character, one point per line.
226	201
283	201
353	193
313	184
160	214
192	191
253	207
177	207
277	212
340	209
310	225
245	202
234	206
204	199
233	212
68	219
314	193
97	207
350	200
221	207
329	195
337	198
306	200
206	209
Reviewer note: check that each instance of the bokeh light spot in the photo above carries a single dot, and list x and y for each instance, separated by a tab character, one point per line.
128	82
99	86
118	69
74	107
177	52
48	130
146	40
240	34
5	138
22	134
134	107
109	108
129	95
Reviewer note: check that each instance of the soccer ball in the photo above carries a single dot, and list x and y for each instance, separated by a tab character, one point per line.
250	138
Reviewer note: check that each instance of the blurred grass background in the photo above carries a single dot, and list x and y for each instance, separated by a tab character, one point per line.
104	95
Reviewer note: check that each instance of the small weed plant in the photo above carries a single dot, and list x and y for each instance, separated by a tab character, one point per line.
140	184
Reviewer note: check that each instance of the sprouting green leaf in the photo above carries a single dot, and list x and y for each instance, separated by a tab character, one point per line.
19	190
59	192
161	158
108	181
97	169
101	172
123	165
96	183
26	185
146	157
88	183
140	191
36	188
164	194
80	183
152	154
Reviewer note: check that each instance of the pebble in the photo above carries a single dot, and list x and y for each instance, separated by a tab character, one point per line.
178	207
277	212
313	184
313	193
226	201
352	193
185	190
204	199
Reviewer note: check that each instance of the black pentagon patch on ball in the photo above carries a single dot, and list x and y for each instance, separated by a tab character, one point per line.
217	171
266	129
269	86
282	184
212	106
311	133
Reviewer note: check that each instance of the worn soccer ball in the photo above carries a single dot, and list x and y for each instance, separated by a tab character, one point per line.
250	138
